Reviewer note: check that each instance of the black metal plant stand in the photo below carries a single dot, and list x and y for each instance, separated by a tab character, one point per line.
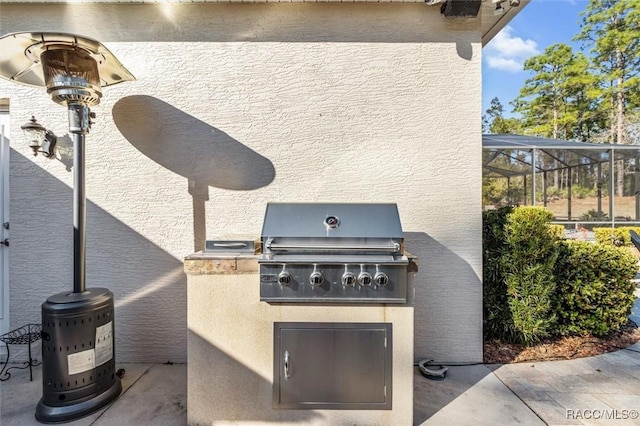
25	335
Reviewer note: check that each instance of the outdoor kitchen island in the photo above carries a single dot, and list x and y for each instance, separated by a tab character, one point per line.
253	361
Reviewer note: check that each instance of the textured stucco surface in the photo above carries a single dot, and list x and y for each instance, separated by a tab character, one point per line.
238	105
231	355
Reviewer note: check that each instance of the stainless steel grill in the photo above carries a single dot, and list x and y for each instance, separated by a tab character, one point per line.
319	252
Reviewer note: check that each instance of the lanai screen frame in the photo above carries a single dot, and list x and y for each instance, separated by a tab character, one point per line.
595	153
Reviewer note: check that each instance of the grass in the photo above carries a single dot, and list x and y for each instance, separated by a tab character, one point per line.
624	207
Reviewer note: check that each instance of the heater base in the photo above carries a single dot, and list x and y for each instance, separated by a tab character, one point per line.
49	414
79	374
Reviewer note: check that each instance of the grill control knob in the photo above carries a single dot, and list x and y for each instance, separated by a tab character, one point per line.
364	279
381	279
316	278
284	278
349	279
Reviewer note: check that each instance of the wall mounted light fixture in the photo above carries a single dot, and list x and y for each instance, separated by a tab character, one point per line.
40	139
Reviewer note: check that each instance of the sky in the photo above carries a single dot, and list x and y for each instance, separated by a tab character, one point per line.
537	26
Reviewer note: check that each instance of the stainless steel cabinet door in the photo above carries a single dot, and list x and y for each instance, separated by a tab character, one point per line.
332	365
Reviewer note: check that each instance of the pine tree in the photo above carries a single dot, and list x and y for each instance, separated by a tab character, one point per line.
543	98
494	122
611	29
557	101
584	114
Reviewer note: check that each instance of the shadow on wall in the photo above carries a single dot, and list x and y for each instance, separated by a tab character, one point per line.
149	285
203	154
449	318
449	321
189	147
241	394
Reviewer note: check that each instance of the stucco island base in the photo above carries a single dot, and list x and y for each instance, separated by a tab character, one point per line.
230	348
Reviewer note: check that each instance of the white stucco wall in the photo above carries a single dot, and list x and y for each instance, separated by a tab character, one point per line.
238	105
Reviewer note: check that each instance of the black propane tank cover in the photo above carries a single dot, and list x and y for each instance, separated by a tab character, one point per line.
78	357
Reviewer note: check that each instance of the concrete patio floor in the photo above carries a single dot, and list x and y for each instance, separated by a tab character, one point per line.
589	391
600	390
152	394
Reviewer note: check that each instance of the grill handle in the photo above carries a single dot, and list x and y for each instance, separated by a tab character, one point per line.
230	245
278	247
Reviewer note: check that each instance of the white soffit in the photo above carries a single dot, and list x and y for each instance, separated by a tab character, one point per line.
491	24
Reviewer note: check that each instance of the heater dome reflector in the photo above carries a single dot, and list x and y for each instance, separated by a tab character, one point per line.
20	58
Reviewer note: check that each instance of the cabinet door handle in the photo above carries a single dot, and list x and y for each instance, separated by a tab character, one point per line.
286	364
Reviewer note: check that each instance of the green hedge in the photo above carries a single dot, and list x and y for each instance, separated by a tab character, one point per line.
594	289
615	236
528	265
498	322
536	284
556	230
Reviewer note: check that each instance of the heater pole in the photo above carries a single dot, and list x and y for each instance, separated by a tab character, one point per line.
86	371
79	125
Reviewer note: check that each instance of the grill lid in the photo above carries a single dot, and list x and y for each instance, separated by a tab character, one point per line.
331	220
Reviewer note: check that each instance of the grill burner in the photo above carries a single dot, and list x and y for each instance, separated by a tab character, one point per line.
350	253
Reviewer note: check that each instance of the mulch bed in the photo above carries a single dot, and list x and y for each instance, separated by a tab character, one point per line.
498	352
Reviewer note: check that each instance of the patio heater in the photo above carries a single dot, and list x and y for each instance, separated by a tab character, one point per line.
78	345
